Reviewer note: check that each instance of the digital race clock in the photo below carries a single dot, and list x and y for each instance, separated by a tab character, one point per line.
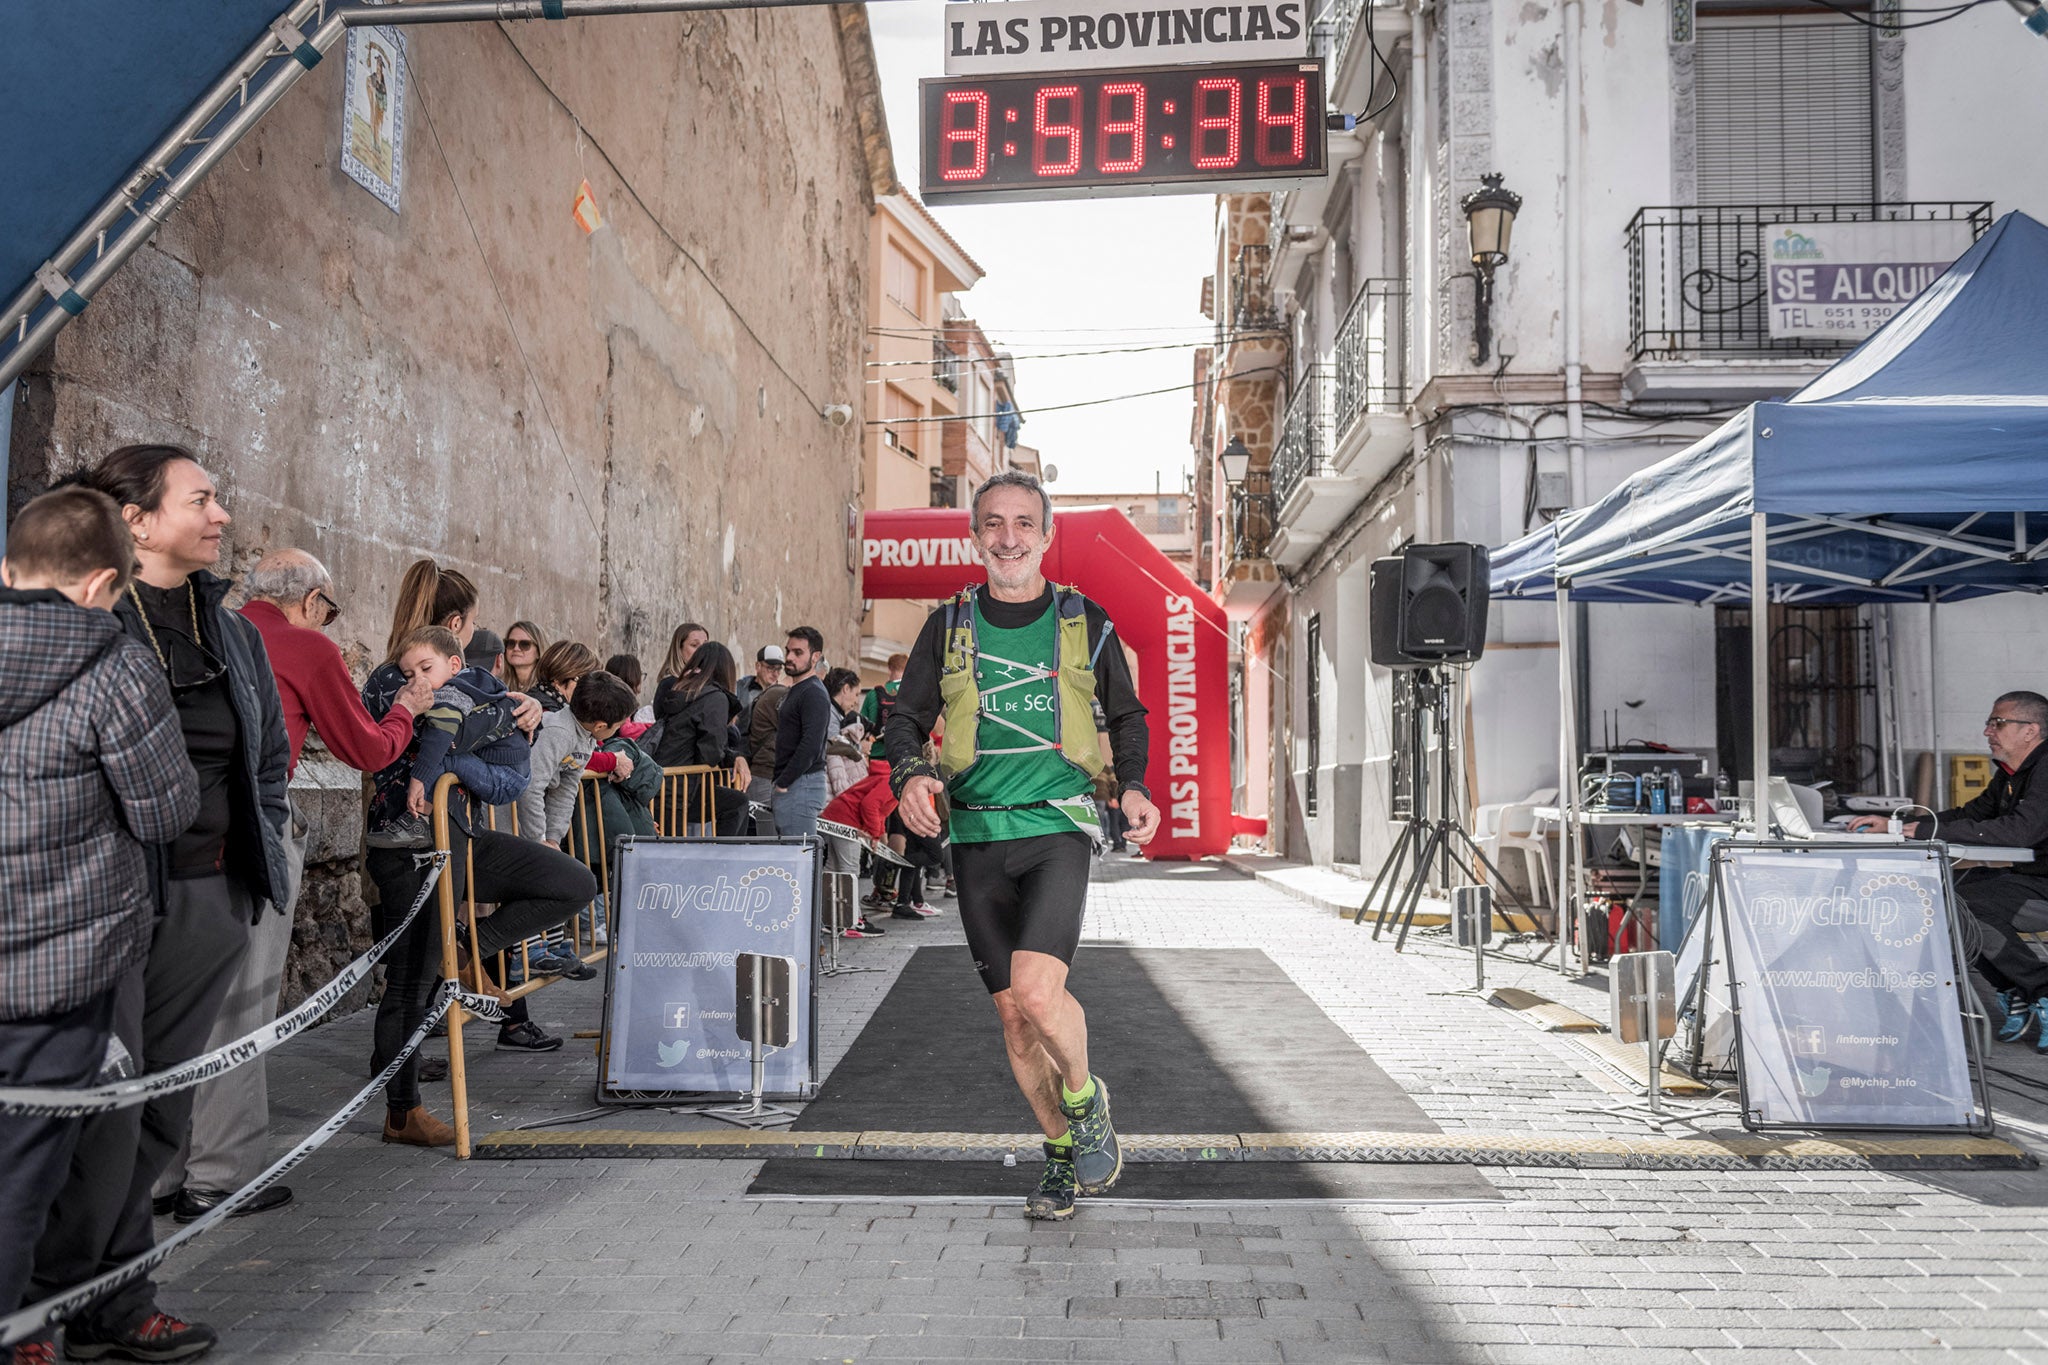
1186	129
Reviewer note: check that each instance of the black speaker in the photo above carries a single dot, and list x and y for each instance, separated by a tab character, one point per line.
1383	615
1427	605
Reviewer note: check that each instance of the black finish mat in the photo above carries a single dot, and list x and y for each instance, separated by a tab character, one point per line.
1189	1041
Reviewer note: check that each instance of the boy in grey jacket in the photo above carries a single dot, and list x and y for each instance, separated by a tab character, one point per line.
93	763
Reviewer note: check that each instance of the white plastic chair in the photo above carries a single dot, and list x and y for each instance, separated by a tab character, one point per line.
1516	833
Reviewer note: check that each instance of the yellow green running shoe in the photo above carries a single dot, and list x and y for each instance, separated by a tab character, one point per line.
1054	1197
1098	1160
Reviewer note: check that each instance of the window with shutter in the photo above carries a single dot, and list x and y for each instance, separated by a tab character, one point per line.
1783	109
898	406
903	280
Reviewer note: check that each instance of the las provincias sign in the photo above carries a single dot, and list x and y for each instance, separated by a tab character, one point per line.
990	39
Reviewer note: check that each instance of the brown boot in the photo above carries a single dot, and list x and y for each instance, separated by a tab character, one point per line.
420	1129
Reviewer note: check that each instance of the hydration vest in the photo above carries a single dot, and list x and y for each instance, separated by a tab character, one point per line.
1073	710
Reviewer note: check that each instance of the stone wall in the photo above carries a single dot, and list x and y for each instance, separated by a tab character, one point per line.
611	433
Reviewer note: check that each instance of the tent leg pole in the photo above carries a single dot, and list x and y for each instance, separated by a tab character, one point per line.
1567	789
1933	702
1759	673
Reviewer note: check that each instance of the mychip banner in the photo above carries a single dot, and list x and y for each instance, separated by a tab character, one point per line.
1848	1003
1843	281
687	910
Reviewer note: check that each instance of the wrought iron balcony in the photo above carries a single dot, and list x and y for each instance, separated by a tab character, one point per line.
1307	434
945	365
1697	279
1251	516
1251	297
1371	359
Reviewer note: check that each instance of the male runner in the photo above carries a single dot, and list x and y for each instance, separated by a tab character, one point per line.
1012	668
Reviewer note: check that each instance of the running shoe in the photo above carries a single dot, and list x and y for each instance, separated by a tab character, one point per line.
952	891
156	1337
904	912
861	930
1054	1197
526	1037
921	910
1098	1160
562	963
2040	1013
2014	1018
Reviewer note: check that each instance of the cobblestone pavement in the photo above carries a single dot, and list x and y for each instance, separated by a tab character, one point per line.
390	1254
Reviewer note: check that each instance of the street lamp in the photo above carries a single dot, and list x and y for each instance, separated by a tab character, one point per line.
1236	461
1490	219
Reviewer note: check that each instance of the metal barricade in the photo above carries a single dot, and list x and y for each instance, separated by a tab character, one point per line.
687	800
583	942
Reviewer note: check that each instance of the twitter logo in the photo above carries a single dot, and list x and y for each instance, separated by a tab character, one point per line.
673	1054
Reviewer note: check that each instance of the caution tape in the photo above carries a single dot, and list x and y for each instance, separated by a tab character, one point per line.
833	829
33	1102
41	1317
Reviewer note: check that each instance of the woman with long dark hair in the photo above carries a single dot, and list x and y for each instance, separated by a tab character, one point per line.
211	883
696	714
532	885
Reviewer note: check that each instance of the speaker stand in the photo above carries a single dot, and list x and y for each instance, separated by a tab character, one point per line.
1444	837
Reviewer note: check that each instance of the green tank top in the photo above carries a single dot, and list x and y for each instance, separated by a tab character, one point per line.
1018	764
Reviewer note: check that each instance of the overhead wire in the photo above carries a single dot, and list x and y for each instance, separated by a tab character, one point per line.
504	306
1890	26
1085	403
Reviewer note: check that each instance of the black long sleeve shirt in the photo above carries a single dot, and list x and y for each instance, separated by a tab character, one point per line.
918	705
2012	812
802	727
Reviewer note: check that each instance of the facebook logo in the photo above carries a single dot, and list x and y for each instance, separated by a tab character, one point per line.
675	1015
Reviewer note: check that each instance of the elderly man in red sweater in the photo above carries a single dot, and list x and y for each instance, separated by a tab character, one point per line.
290	600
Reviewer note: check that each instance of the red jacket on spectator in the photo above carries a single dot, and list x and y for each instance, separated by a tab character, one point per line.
314	685
866	804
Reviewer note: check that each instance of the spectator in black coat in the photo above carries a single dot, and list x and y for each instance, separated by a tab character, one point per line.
230	865
89	735
696	715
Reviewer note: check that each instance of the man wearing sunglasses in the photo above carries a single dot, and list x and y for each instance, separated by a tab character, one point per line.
2008	907
291	597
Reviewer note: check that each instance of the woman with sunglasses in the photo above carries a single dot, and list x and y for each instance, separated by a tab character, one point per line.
525	642
211	882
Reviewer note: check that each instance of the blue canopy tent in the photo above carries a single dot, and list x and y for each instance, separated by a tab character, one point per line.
1915	469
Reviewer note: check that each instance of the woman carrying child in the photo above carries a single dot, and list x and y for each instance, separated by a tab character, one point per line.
533	886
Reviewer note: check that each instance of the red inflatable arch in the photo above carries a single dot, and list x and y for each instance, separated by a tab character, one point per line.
1179	633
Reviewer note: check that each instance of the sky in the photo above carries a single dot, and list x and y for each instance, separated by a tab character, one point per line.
1072	275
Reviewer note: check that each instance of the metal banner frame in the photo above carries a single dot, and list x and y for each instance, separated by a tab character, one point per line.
808	959
1971	1020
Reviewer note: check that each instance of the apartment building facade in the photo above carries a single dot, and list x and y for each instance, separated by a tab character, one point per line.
1384	389
940	398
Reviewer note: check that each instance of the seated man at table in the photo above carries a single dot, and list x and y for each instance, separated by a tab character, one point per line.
2007	932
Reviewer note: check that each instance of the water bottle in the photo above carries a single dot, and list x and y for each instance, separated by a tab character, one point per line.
1723	789
1676	785
1660	795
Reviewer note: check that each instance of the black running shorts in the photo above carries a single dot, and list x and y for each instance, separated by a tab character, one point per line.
1021	895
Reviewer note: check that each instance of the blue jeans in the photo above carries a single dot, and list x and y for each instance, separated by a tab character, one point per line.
796	809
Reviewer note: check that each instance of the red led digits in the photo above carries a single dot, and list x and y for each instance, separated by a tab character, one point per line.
974	135
1108	126
1044	130
1293	124
1225	123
